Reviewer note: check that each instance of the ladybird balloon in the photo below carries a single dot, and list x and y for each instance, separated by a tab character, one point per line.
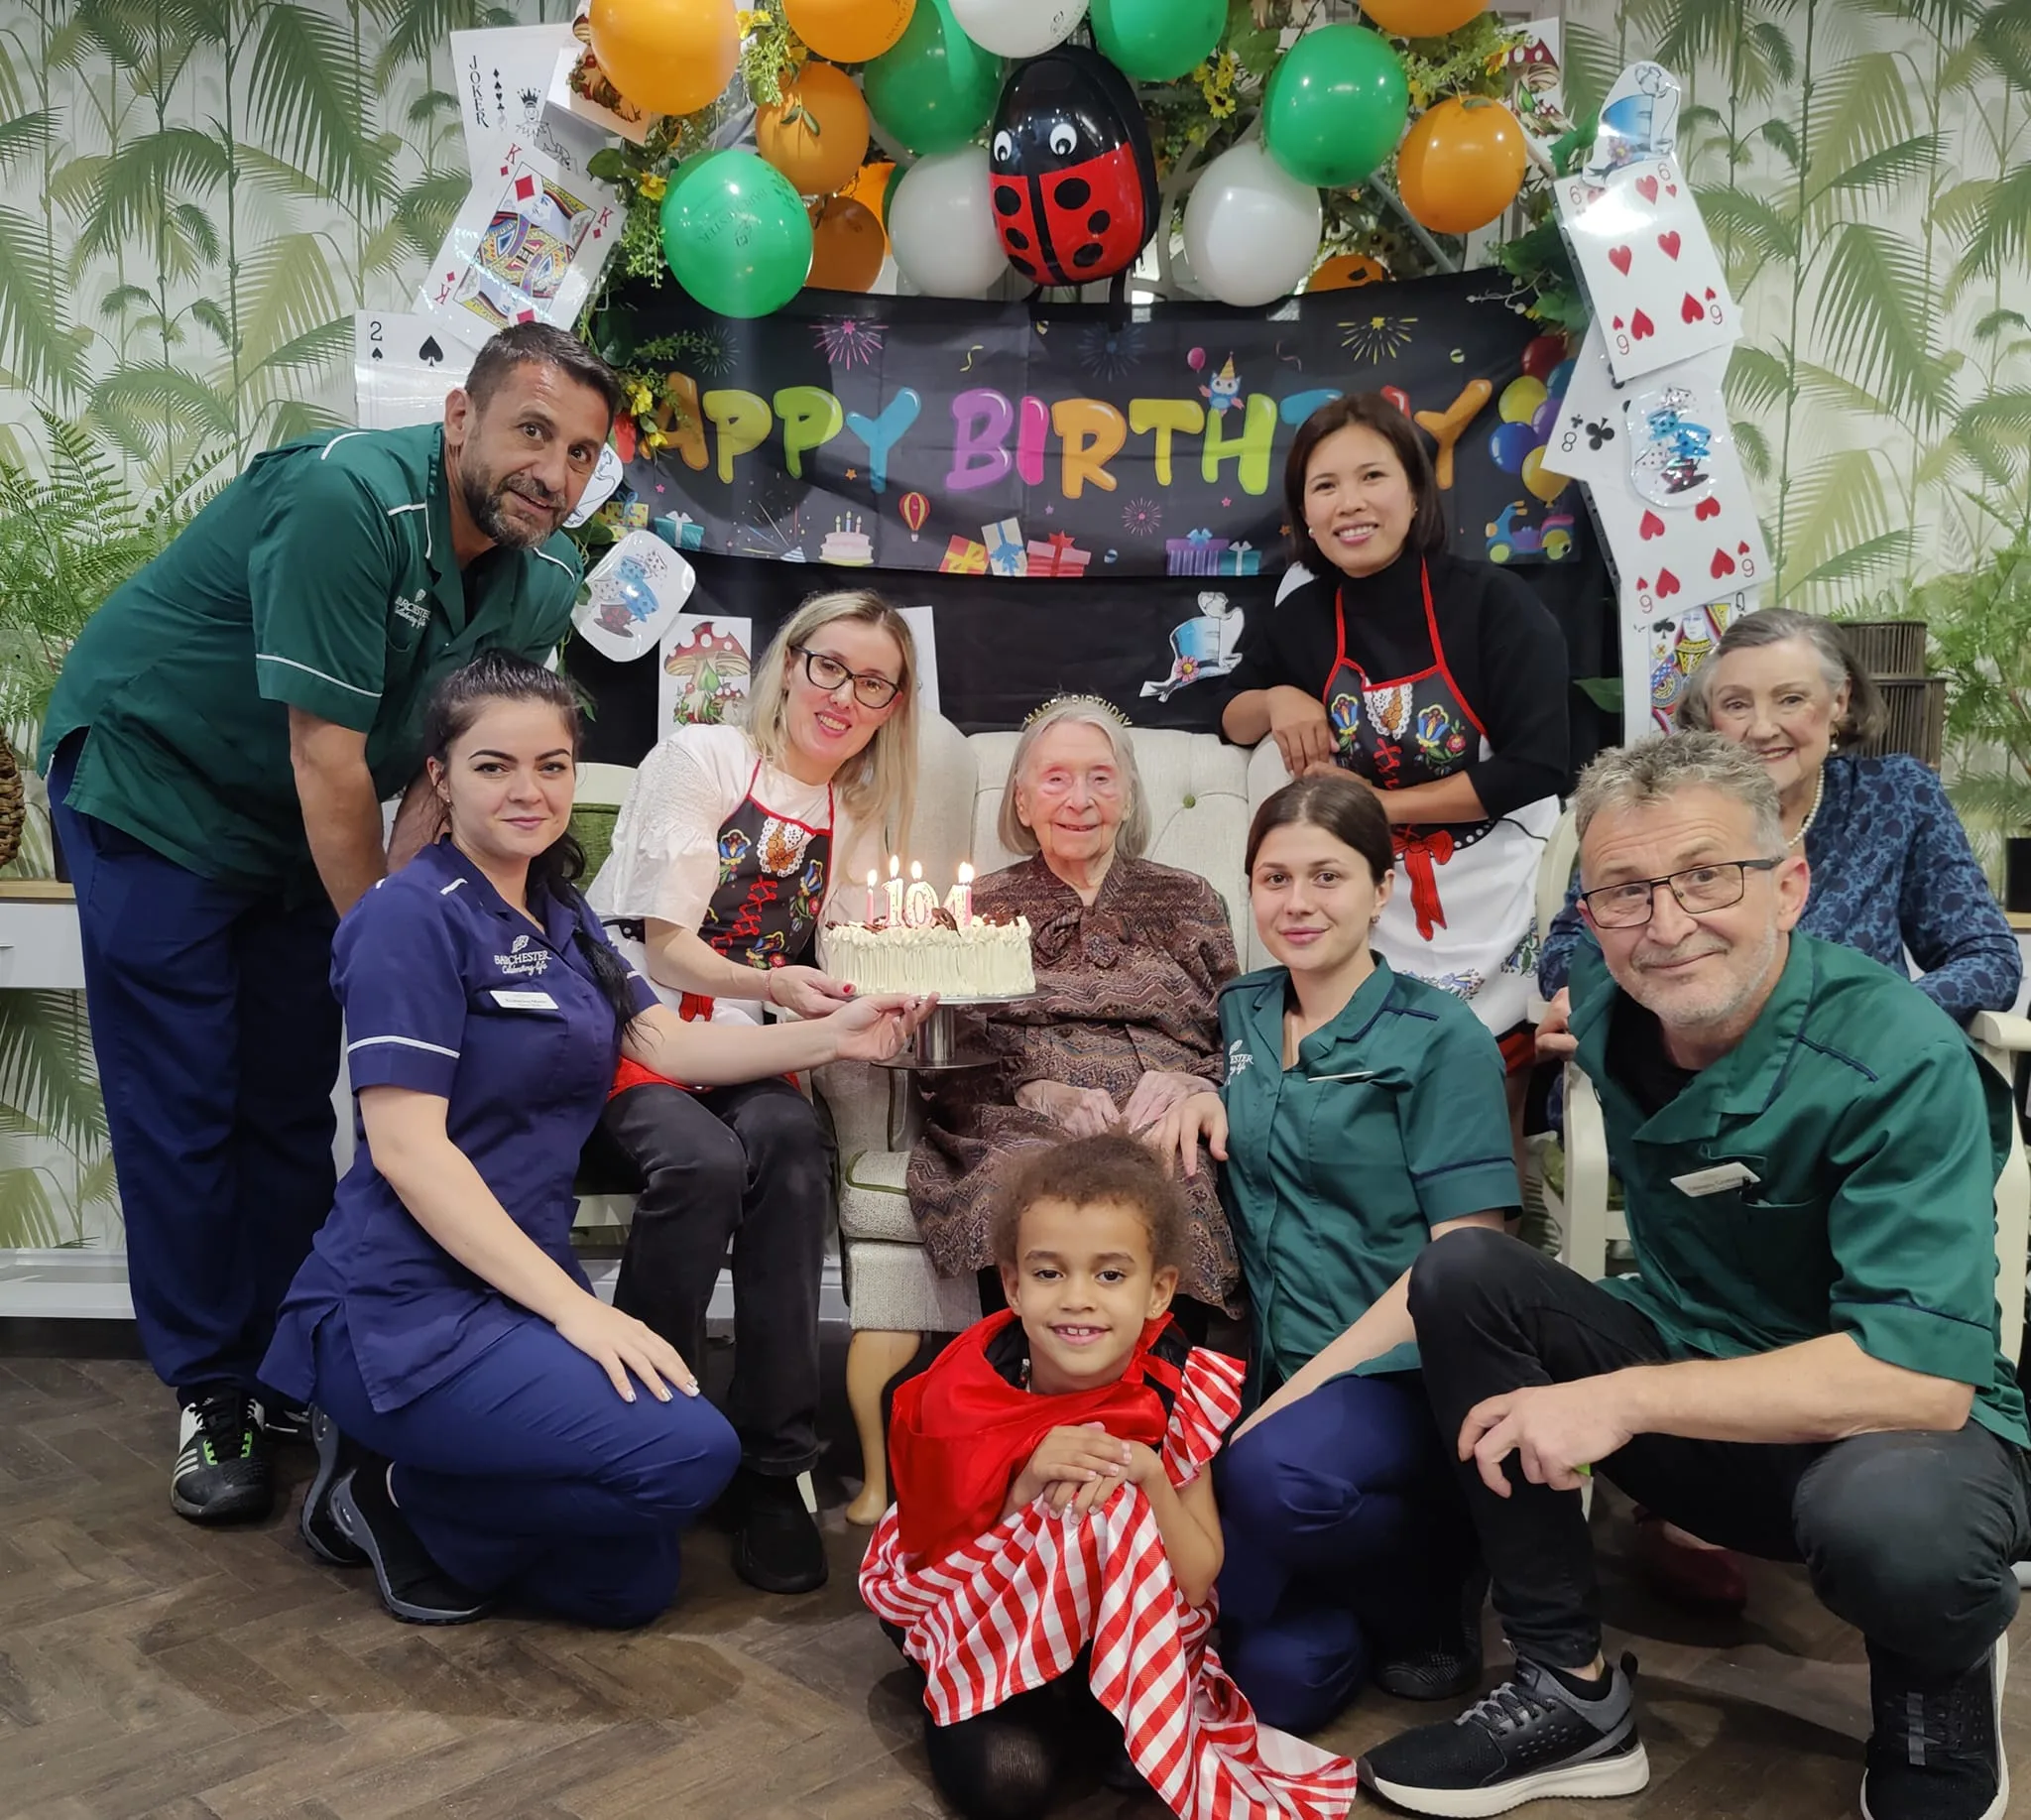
1074	176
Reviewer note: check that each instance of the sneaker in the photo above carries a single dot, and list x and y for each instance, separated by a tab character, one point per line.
777	1546
413	1587
284	1422
336	1456
1448	1665
1530	1738
221	1471
1937	1751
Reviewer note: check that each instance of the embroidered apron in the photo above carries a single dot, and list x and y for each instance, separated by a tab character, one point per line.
1462	916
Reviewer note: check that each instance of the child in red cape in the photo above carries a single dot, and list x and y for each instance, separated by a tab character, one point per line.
1053	1513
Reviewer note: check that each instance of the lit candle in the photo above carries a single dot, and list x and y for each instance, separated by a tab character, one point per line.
895	889
920	907
873	914
959	900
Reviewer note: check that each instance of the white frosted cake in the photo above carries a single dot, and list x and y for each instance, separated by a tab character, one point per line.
846	545
984	960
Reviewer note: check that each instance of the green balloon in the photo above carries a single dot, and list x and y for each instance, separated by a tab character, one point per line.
1336	106
934	88
1157	40
736	233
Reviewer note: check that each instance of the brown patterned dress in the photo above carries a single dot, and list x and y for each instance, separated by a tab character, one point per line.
1124	987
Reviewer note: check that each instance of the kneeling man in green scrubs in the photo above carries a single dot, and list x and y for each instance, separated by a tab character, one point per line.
1805	1364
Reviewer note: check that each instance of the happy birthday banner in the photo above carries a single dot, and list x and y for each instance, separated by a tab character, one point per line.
1069	441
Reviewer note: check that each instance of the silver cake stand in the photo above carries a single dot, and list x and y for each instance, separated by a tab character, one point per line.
945	1042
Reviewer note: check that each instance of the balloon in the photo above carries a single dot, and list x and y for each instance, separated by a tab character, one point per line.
1335	108
1545	419
848	31
847	247
872	187
941	224
1462	165
1520	399
1018	28
817	134
1511	444
916	510
1074	175
936	88
1421	17
1561	377
1541	358
668	56
1347	272
736	233
1157	40
1196	360
1541	481
1252	229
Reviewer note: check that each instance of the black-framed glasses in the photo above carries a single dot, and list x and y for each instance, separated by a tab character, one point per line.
1698	889
870	688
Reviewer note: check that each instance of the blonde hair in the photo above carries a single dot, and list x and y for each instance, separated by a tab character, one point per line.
1132	837
878	785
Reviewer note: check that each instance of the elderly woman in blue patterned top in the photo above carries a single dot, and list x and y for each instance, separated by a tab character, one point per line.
1891	872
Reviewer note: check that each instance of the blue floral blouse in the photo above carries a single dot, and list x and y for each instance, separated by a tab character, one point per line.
1892	870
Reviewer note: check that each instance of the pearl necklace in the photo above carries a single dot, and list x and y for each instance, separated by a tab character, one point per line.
1818	791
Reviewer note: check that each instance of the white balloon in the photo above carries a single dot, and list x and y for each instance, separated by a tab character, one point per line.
1018	28
941	226
1252	229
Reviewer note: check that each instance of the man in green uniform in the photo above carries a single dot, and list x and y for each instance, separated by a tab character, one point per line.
1805	1365
219	749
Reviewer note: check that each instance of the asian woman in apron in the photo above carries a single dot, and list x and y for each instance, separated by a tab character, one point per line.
726	853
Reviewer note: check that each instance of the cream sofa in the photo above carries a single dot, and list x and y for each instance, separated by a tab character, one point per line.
1202	794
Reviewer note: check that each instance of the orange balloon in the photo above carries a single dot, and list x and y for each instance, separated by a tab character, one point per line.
1347	272
817	134
847	247
670	57
1462	164
848	31
1421	17
870	189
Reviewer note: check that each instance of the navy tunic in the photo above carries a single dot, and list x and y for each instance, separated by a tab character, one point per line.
450	991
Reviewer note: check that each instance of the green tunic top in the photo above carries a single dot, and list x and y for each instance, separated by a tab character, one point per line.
1876	1136
1392	1122
322	579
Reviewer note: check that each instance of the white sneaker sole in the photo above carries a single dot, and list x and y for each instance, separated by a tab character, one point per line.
1604	1777
2000	1806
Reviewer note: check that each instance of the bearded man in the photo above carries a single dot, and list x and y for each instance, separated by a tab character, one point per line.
219	749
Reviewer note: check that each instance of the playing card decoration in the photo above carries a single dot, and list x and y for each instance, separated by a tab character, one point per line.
638	587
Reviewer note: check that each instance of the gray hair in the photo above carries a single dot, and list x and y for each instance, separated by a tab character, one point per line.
1132	838
1656	770
1866	717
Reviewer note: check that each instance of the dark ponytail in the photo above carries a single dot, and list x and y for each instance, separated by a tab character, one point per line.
456	703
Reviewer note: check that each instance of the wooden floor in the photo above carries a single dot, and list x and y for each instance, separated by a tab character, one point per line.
147	1667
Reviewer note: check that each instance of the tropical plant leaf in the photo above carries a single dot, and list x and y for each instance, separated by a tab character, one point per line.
1755	448
1738	219
2002	232
417	29
1589	65
1874	312
141	405
1758	379
46	1070
35	338
28	1222
1778	133
286	291
1860	108
423	211
1859	563
1775	53
126	207
1877	176
1834	505
310	97
297	416
24	136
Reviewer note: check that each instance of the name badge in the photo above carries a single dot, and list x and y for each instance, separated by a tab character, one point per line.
523	1001
1717	1180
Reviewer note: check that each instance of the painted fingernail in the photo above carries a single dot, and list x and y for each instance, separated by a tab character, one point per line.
664	1394
628	1395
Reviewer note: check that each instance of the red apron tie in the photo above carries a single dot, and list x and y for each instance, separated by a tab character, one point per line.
1420	850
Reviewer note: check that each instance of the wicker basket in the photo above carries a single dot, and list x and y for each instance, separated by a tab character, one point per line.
593	823
1890	650
13	804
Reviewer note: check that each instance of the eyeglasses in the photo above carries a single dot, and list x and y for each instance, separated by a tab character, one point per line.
1698	889
870	688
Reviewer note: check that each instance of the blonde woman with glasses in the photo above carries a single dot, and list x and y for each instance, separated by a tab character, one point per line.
725	854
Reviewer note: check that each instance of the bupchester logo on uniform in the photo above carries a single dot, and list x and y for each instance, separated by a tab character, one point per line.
1238	1057
521	960
414	609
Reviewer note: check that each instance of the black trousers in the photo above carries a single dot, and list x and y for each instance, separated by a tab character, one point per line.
1908	1536
750	1167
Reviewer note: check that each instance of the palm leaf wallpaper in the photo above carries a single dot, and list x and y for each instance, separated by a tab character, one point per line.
196	194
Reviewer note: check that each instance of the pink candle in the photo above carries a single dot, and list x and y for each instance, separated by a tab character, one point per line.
921	905
895	889
873	915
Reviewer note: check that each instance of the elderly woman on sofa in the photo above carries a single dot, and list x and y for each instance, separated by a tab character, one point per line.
1129	957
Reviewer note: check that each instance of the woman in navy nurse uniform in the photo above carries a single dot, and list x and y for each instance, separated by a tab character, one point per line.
479	1420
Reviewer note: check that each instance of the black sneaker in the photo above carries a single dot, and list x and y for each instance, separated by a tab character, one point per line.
413	1587
336	1456
221	1471
1528	1739
777	1546
1445	1667
1937	1751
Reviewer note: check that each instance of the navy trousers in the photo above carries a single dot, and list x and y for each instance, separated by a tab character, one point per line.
1347	1541
525	1475
217	1041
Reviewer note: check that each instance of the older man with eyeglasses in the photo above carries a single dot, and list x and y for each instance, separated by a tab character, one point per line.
1805	1364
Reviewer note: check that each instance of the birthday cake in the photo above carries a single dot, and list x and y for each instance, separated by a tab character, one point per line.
984	960
847	545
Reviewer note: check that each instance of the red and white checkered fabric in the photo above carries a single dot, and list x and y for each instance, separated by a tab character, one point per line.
1013	1608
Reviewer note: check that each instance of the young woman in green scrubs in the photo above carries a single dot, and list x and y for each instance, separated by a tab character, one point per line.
1361	1115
